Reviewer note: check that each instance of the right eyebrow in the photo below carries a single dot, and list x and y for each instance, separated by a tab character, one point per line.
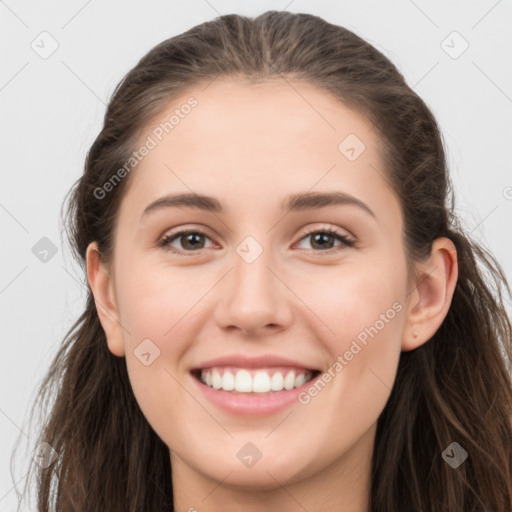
190	200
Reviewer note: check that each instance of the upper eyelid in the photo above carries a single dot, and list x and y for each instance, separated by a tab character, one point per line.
308	231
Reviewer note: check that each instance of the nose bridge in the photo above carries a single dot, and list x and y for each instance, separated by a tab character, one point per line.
251	275
253	297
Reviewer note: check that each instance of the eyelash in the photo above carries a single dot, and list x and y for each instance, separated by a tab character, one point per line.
163	243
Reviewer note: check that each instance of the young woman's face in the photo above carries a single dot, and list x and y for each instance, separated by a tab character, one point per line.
256	279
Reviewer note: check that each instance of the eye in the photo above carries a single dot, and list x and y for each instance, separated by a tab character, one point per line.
188	239
193	240
324	238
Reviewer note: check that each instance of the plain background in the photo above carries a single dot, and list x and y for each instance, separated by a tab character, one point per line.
52	109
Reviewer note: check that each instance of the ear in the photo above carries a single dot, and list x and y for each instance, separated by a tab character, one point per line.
102	286
432	295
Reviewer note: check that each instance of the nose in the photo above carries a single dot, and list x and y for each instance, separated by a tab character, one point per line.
254	299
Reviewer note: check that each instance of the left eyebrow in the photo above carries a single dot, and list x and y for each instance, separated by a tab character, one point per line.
293	203
314	200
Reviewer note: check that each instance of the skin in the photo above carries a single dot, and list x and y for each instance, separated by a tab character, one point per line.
250	146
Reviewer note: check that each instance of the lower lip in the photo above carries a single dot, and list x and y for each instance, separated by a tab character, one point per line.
252	404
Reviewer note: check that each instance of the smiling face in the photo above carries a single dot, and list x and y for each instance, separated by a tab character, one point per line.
257	275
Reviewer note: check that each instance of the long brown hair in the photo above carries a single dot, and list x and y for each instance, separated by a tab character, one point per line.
456	387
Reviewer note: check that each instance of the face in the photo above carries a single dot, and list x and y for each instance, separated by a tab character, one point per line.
320	283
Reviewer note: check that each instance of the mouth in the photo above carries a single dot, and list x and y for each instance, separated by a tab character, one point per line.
254	381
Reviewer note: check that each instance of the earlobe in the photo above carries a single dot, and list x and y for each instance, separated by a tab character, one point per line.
101	284
433	293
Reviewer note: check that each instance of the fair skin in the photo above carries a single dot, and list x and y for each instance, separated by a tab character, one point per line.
250	146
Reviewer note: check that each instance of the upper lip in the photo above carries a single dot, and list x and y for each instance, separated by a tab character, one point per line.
243	361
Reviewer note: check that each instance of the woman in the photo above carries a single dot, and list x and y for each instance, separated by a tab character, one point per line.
284	312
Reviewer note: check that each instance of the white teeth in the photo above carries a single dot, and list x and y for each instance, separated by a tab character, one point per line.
228	381
289	380
243	380
261	382
277	382
216	379
299	380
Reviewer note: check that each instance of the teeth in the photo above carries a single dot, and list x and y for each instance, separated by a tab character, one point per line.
228	381
216	379
277	382
259	381
243	381
299	380
289	380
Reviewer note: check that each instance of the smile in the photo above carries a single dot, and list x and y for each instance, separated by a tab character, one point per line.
253	392
261	380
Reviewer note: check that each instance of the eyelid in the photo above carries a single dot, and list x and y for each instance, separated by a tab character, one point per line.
167	237
182	229
327	227
347	239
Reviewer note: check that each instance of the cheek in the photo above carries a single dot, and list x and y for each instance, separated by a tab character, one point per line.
352	299
366	315
155	300
156	309
360	313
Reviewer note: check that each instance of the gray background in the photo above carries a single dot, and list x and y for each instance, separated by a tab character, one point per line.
51	110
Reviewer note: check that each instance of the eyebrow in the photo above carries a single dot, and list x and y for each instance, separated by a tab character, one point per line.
293	203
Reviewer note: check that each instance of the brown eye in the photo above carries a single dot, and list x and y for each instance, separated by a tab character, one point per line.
323	240
189	241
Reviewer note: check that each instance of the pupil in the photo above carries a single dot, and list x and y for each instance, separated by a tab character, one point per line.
192	238
321	236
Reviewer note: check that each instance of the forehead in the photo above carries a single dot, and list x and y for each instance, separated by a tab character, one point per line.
266	119
256	141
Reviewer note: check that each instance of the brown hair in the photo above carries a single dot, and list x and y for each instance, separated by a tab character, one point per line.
455	387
